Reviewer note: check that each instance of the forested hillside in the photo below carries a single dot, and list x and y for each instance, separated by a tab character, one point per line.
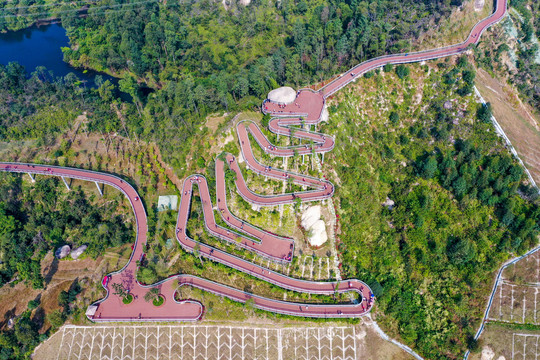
40	218
201	57
458	206
35	220
414	135
42	106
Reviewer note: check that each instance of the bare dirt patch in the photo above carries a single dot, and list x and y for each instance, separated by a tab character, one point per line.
506	343
212	122
59	276
479	5
14	300
49	349
517	297
525	271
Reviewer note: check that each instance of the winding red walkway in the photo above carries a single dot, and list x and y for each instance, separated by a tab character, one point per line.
111	307
307	109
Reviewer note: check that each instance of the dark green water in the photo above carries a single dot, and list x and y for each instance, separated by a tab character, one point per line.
41	46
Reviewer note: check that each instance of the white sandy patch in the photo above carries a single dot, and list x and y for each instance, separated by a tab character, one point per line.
228	139
311	221
361	333
479	5
492	89
325	115
487	353
310	216
283	95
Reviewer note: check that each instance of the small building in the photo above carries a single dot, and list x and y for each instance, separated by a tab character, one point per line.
91	311
167	202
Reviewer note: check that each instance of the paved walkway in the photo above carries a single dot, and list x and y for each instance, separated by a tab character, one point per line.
111	308
305	110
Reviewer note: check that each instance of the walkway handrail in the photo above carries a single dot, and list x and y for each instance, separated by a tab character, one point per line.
234	261
456	49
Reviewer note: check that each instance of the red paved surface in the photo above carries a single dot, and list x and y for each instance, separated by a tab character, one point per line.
306	109
473	38
281	280
308	104
321	143
112	309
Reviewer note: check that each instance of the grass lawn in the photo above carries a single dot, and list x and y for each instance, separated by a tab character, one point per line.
128	299
158	301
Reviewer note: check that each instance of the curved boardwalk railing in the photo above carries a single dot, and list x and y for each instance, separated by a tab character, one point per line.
111	308
307	110
473	38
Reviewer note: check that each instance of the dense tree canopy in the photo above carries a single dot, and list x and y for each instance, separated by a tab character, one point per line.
460	204
40	218
202	57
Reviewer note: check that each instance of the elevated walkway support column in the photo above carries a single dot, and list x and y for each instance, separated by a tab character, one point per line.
322	158
99	188
31	177
65	183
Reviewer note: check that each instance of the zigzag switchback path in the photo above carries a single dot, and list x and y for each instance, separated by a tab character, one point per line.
307	109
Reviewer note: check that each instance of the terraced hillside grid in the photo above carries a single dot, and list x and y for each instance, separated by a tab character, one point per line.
517	297
504	343
205	342
512	328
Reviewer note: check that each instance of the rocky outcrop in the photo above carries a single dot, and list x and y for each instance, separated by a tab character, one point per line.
316	228
62	252
78	252
389	203
325	115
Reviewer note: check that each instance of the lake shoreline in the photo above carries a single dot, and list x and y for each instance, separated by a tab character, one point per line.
45	38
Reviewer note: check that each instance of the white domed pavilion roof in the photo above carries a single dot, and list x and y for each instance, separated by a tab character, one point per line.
282	95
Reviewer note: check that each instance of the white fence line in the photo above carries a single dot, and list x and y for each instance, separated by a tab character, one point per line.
490	301
383	335
501	132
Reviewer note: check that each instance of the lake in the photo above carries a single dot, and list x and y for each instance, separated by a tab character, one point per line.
41	46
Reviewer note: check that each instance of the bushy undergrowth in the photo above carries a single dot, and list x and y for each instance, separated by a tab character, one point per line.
456	215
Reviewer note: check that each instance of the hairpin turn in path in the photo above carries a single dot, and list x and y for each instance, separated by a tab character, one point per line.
307	109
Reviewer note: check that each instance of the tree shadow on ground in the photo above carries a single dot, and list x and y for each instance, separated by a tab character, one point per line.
8	315
51	270
39	317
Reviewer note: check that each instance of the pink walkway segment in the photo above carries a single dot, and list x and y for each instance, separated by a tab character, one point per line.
473	38
305	110
328	288
111	307
320	142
